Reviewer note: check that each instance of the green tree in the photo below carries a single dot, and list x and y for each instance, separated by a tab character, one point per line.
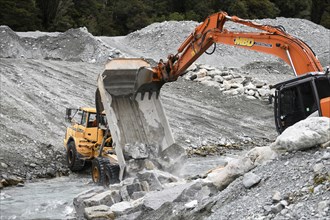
252	9
325	19
294	8
55	14
20	15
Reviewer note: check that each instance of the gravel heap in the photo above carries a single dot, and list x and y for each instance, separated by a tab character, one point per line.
263	184
160	39
72	45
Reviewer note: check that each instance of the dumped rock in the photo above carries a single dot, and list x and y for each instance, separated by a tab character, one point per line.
229	82
303	135
98	212
222	177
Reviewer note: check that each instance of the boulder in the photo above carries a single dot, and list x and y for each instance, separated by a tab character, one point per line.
78	201
201	73
250	179
192	204
121	208
210	83
303	135
98	212
108	198
199	189
154	200
261	155
264	92
218	78
151	179
137	151
222	177
126	191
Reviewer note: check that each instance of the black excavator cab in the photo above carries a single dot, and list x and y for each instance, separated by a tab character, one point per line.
299	98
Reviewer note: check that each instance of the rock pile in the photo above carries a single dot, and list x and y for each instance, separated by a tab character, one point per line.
231	81
72	45
160	39
154	194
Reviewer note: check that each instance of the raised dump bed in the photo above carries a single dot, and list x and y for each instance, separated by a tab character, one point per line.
133	122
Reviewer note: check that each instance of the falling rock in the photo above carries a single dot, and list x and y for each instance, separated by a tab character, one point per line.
98	212
153	177
250	179
138	151
303	135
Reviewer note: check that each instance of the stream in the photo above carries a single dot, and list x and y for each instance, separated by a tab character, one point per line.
45	199
53	198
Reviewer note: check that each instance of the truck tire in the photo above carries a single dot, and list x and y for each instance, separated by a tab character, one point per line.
98	170
72	157
111	174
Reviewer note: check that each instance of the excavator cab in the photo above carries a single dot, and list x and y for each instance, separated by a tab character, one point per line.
302	97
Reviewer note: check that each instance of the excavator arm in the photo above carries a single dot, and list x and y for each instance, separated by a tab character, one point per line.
272	40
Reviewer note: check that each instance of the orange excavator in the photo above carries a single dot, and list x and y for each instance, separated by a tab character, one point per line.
295	99
128	126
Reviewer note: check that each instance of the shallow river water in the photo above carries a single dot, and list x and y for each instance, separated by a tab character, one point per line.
53	198
45	199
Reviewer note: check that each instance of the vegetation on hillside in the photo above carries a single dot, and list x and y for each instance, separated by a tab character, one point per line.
119	17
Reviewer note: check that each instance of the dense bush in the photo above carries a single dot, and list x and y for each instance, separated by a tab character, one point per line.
119	17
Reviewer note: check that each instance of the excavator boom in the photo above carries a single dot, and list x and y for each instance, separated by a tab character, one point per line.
136	122
272	40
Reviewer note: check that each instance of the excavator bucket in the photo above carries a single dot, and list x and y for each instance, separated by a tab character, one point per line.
133	122
144	83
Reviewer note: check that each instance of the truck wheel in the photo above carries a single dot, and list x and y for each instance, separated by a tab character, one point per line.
72	157
112	174
98	171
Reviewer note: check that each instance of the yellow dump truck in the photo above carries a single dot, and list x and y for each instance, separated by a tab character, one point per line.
88	138
134	122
